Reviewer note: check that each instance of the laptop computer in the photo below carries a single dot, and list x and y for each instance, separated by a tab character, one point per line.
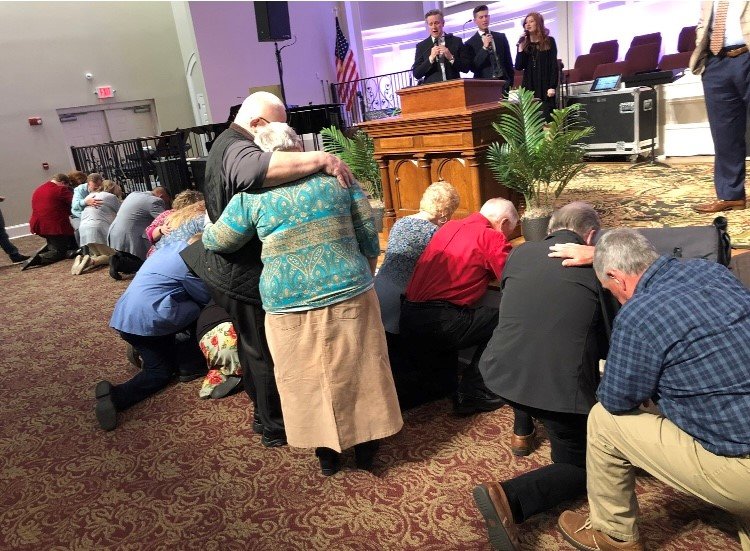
605	83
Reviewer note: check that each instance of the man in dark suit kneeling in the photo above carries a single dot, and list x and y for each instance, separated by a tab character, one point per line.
440	56
543	359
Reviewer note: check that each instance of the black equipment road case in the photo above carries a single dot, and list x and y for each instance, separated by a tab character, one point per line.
624	120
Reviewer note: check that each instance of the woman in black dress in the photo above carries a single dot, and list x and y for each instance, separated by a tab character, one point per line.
537	58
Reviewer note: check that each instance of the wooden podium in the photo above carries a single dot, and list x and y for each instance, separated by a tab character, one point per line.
442	134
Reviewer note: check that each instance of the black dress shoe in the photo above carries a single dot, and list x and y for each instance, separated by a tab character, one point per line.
17	258
465	404
113	273
35	260
229	386
106	413
330	461
364	454
257	425
273	439
187	376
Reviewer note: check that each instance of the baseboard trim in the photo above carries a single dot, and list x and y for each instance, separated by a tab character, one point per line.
20	230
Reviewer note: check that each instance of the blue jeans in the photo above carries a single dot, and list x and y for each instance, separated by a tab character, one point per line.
162	358
9	248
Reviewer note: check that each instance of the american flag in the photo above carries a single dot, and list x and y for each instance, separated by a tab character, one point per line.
346	69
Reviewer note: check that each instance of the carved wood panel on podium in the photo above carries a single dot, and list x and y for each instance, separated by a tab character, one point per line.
442	134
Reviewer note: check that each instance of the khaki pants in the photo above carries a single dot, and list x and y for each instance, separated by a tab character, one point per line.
100	253
618	443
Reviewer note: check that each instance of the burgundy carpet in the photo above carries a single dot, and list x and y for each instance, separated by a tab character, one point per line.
182	473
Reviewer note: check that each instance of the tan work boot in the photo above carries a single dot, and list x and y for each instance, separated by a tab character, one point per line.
576	529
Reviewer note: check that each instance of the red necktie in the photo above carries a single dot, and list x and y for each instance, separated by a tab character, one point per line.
718	27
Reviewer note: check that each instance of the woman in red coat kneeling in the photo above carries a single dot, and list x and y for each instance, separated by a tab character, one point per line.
50	212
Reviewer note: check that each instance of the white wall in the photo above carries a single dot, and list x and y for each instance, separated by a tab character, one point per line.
233	60
384	14
47	47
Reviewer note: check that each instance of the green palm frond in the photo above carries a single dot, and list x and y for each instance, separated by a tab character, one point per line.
537	160
359	153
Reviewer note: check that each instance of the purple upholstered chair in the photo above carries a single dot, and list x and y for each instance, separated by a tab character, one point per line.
639	59
653	38
584	67
608	50
685	46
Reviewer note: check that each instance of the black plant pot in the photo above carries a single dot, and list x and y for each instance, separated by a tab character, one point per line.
535	229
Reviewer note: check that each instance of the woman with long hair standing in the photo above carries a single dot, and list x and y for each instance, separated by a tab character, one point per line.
537	58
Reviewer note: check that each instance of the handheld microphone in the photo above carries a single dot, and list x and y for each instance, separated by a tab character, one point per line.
441	42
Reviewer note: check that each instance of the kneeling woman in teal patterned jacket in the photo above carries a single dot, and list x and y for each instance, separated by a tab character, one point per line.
322	315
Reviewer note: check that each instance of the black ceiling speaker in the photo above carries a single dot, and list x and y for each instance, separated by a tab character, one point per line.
272	21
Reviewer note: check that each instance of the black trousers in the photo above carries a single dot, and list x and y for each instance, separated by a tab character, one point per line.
163	357
444	327
544	488
125	263
57	248
255	357
420	376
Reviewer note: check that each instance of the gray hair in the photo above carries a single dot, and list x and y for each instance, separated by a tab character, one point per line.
277	136
578	216
496	209
434	12
625	250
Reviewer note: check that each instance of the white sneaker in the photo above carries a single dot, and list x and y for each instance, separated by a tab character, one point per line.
85	263
76	263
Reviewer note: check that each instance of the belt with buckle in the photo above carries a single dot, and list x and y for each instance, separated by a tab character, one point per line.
733	51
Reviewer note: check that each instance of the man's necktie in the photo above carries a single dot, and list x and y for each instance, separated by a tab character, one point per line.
494	61
718	27
439	41
492	44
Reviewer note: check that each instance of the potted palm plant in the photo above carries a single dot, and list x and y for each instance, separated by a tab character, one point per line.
359	153
537	159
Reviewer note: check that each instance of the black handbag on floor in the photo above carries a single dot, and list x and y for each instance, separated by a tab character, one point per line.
708	242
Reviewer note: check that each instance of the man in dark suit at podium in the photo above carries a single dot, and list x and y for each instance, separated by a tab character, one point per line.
440	56
489	51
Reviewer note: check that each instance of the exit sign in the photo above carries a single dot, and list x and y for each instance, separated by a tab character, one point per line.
105	92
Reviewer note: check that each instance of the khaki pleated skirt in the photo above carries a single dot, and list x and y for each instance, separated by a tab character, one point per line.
333	374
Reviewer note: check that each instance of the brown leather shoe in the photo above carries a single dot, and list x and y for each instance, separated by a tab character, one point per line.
576	529
493	504
522	445
720	206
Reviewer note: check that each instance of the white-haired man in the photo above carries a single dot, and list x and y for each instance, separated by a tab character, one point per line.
236	164
441	310
681	341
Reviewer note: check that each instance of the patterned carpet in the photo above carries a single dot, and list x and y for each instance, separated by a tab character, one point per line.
182	473
653	196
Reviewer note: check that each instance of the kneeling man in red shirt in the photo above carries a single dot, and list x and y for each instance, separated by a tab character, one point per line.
441	311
